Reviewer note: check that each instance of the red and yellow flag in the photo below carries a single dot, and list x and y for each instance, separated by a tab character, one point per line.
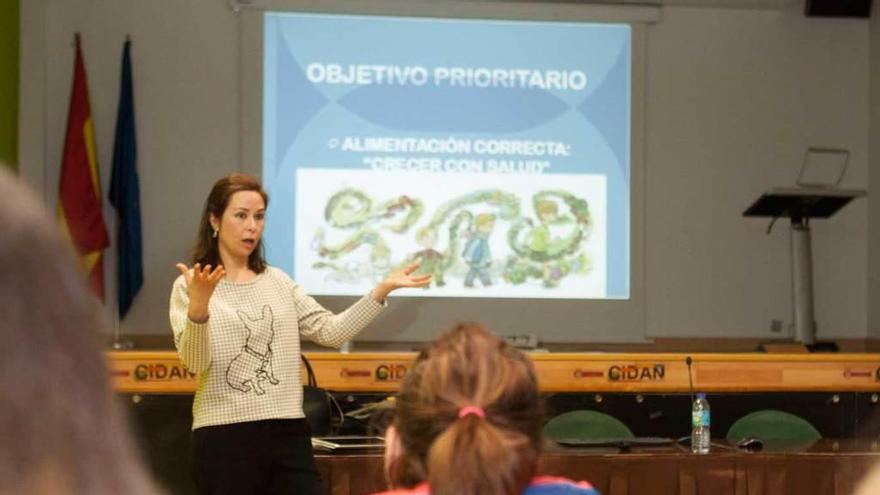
79	190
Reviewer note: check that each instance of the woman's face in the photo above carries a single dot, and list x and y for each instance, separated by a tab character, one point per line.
241	226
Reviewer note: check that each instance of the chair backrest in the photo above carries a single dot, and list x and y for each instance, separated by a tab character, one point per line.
587	425
770	424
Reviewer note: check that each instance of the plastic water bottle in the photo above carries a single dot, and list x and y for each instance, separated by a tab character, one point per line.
700	421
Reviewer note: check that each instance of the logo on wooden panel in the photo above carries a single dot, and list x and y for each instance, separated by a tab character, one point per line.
637	373
158	372
390	372
579	373
851	373
350	373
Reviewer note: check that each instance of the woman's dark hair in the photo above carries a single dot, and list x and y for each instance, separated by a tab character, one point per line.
498	454
62	430
205	250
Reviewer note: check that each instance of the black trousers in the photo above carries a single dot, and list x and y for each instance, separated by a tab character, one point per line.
259	457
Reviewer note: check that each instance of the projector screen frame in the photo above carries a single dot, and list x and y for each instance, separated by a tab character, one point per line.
420	319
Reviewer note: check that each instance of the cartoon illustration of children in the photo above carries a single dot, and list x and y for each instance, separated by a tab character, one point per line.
540	252
430	260
476	252
540	238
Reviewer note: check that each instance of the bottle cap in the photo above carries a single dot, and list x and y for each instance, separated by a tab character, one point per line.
701	395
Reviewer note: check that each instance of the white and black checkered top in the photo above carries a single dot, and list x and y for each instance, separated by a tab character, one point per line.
247	354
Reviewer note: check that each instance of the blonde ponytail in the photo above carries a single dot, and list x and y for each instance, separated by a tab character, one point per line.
469	417
474	457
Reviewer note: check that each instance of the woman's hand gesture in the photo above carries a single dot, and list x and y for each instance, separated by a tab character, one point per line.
400	279
200	282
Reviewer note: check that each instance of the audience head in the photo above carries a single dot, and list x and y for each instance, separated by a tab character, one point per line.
206	250
61	430
468	417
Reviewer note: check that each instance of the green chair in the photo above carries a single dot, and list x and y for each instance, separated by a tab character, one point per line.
770	424
585	425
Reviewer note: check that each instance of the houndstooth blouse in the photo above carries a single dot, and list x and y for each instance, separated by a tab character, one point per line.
247	354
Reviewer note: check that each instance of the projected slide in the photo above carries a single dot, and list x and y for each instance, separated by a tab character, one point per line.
495	153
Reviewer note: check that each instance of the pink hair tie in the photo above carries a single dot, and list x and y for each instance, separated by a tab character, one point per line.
476	411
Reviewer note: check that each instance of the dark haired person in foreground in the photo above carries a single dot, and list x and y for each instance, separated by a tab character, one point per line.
468	421
61	431
237	323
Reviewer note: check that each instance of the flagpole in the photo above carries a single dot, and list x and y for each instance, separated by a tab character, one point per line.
119	344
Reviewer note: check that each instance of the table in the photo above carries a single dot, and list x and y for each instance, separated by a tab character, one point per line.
825	467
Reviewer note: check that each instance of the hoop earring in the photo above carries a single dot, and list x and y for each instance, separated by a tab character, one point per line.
216	232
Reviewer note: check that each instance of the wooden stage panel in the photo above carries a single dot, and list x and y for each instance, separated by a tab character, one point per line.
830	466
162	372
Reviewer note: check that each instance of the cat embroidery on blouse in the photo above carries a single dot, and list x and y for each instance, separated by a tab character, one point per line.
253	365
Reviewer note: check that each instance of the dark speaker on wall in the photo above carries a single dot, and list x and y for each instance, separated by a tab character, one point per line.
838	8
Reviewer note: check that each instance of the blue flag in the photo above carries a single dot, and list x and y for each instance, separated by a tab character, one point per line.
125	193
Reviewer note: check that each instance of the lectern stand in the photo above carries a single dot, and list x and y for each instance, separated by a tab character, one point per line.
800	204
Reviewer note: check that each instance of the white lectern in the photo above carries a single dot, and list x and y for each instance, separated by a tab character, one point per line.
800	204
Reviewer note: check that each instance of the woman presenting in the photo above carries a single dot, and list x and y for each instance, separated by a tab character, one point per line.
237	324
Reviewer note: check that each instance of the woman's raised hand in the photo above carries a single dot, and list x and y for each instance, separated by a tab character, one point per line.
200	283
401	279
